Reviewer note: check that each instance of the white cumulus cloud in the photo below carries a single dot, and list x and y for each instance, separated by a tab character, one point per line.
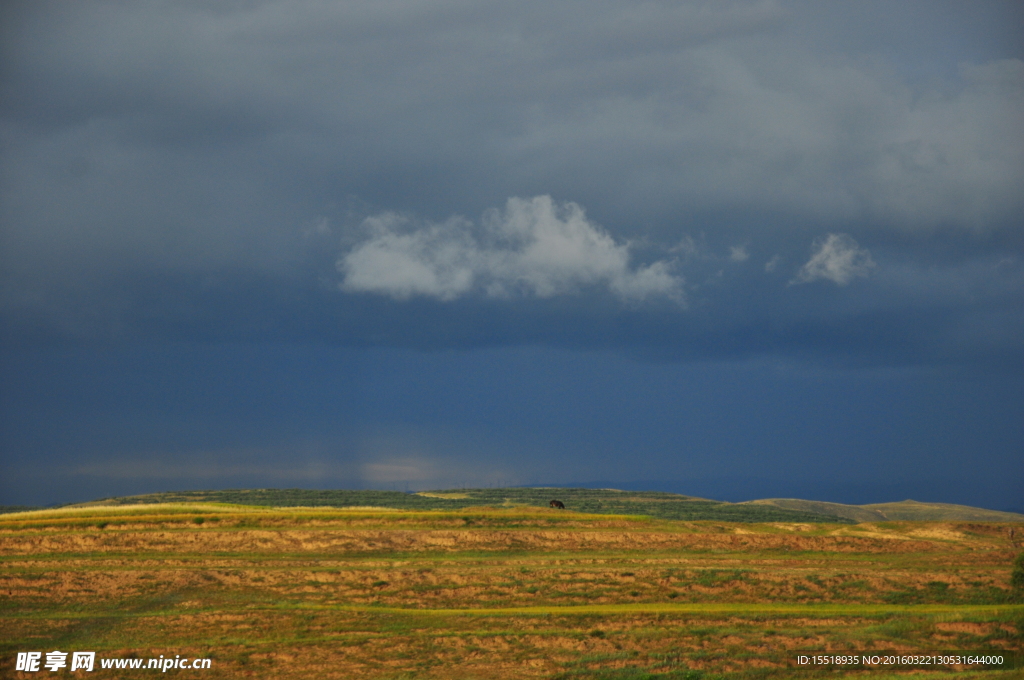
532	247
837	258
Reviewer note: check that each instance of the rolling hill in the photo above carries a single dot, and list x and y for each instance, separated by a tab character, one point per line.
505	593
657	504
903	510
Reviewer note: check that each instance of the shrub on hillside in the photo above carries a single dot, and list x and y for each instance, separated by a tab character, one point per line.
1017	576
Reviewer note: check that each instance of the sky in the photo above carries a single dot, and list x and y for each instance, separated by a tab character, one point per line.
728	249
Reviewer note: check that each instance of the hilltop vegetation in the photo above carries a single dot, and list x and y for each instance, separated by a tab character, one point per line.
902	511
654	504
18	508
931	512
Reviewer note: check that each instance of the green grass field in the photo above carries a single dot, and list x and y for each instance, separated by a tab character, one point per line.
498	592
602	501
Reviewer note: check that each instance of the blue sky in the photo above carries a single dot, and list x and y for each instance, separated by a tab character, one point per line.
729	249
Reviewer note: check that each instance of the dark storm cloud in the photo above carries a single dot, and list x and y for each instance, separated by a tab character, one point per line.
191	171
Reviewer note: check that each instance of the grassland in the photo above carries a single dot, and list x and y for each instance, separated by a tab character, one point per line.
904	510
497	592
601	501
656	504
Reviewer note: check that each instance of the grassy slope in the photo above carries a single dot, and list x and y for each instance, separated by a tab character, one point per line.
904	510
913	510
651	503
494	593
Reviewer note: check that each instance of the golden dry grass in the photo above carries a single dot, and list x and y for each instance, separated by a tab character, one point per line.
493	592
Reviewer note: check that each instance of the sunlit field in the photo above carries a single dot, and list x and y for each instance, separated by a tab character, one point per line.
497	592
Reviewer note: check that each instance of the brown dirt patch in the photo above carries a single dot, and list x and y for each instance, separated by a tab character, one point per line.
966	627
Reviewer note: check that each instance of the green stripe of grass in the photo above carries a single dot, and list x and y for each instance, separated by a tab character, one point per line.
695	608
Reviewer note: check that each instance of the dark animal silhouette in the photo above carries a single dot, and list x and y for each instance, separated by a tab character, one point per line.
557	504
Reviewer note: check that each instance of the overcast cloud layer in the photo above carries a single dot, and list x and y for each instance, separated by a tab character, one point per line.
408	150
825	184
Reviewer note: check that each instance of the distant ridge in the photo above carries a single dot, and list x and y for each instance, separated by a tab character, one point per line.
19	508
656	504
901	511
